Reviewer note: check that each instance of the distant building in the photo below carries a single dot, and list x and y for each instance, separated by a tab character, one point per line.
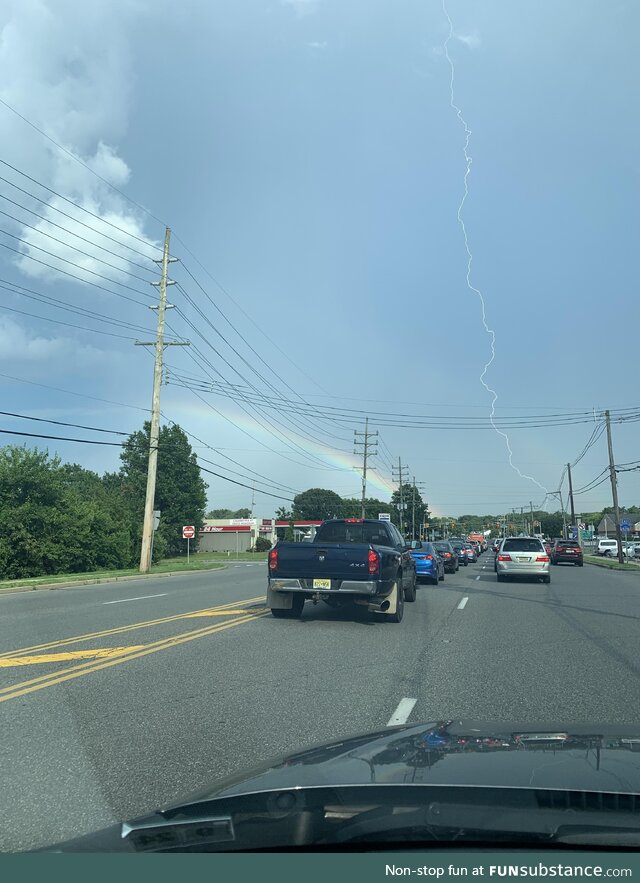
608	523
234	534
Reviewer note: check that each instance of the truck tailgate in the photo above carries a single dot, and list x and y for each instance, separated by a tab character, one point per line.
330	560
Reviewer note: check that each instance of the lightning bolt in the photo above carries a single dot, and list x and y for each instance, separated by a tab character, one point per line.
489	331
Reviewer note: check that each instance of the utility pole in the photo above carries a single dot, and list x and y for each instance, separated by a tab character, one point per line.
614	488
413	506
573	511
533	527
402	470
159	344
253	497
366	453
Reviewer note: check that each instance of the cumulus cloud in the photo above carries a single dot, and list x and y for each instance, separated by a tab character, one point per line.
67	68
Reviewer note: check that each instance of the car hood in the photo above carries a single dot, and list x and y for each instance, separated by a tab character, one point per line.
556	756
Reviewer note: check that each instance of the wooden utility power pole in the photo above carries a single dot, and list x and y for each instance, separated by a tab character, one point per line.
614	488
366	453
159	344
401	478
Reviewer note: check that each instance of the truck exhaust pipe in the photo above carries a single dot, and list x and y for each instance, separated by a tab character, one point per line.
382	607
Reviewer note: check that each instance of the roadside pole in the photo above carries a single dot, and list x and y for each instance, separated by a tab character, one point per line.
154	433
614	488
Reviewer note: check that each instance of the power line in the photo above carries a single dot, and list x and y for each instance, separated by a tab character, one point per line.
76	205
73	276
76	220
71	232
72	263
39	297
73	393
66	324
62	423
71	247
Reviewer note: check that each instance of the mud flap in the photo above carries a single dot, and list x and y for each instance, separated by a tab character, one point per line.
392	598
279	600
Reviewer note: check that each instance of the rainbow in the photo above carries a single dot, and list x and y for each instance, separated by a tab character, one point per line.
337	461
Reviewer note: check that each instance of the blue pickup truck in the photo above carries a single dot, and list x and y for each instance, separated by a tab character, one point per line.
350	561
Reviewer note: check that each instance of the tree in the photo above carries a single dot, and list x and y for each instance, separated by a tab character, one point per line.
220	513
317	504
180	489
422	513
283	514
262	544
352	507
242	513
57	518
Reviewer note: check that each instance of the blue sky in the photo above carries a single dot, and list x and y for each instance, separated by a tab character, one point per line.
306	154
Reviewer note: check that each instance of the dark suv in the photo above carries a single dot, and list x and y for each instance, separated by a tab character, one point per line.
567	550
450	555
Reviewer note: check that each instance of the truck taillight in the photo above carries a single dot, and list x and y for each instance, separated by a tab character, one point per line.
273	559
373	561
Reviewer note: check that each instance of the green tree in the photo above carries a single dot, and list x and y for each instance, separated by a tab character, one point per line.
283	514
180	489
317	504
352	507
242	513
220	513
410	496
262	544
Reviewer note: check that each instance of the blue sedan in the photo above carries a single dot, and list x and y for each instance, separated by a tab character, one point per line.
429	563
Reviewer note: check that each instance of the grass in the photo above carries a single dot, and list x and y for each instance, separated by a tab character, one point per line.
201	561
610	564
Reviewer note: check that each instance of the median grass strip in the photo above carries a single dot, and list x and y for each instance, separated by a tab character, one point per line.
609	564
171	565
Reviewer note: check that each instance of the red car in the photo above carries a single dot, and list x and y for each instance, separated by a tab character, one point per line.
567	551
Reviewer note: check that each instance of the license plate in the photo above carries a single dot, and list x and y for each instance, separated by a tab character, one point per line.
322	584
524	559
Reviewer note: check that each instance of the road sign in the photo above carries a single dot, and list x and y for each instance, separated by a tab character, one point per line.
384	516
582	525
625	525
156	518
188	532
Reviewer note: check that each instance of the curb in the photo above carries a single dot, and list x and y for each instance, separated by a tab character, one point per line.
608	566
10	590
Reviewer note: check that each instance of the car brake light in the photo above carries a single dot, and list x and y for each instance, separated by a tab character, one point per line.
425	557
353	520
273	559
504	557
373	561
542	558
447	554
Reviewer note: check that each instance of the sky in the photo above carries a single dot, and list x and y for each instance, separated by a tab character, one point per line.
309	162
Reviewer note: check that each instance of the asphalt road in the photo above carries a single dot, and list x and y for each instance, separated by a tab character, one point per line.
118	698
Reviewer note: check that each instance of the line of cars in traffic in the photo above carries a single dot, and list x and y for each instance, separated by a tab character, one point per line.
436	558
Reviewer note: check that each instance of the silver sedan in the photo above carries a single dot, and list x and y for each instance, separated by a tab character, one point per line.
522	556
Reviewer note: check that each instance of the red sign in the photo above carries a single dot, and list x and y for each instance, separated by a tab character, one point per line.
188	532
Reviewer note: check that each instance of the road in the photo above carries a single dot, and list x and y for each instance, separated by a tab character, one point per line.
117	698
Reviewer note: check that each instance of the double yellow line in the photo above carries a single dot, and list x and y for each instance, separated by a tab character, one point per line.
40	683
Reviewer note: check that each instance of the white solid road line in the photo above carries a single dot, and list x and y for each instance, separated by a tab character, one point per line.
463	603
402	712
477	578
140	598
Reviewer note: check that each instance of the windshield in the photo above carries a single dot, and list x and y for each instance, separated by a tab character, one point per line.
250	493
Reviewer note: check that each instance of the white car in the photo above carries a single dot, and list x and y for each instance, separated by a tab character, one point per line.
608	548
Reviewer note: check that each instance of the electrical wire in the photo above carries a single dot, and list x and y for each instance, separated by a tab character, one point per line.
72	233
73	263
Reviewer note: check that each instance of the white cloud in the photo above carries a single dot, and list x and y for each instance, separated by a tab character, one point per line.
317	44
18	345
301	7
470	40
67	68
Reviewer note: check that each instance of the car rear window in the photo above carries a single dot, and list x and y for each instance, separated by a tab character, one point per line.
339	532
522	545
568	544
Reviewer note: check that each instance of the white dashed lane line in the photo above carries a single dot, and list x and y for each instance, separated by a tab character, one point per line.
402	712
463	603
139	598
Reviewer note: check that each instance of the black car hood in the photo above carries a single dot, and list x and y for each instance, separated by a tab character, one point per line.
572	757
556	756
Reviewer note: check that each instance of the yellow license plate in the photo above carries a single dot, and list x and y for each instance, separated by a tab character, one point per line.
322	584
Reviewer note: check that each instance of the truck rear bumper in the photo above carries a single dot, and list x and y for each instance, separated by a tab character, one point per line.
370	588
